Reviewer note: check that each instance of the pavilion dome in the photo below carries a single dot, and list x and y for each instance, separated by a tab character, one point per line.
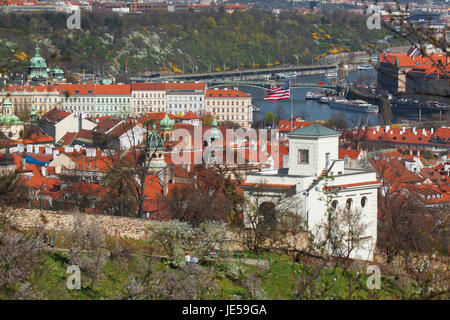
215	134
37	67
37	61
8	117
154	140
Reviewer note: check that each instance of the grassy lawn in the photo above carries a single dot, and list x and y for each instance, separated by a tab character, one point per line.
277	284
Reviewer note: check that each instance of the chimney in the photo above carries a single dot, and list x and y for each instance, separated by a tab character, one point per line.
414	130
44	171
432	130
80	122
424	132
378	128
23	163
387	128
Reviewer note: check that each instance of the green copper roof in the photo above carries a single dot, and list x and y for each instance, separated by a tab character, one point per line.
314	130
214	131
9	117
166	123
37	66
58	71
154	140
7	103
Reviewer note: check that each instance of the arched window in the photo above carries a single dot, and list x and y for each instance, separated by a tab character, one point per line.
268	214
363	202
334	205
349	203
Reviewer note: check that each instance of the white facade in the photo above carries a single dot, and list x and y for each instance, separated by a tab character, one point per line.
71	123
183	101
145	101
230	105
308	179
132	137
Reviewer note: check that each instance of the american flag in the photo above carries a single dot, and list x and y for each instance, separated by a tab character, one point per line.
279	93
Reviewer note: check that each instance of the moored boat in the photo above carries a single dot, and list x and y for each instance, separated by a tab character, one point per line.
353	105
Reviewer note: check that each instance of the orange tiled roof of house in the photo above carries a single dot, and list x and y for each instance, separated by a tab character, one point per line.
106	124
190	115
55	115
225	93
405	60
35	138
408	135
351	153
67	139
285	125
77	89
30	88
394	171
113	89
429	194
156	86
122	128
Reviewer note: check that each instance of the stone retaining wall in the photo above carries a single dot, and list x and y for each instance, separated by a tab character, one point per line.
132	228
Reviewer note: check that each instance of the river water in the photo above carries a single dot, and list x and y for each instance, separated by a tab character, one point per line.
310	109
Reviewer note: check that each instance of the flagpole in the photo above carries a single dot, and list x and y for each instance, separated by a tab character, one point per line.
292	98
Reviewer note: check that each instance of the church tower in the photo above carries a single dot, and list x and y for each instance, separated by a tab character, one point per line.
155	151
166	128
37	69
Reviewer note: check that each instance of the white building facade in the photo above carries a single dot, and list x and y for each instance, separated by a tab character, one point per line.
316	183
183	97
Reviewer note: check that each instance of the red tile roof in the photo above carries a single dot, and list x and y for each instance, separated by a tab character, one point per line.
113	89
225	93
285	125
67	139
190	115
77	89
55	115
351	153
35	138
156	86
28	88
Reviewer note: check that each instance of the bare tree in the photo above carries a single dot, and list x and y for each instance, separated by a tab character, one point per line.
87	249
20	256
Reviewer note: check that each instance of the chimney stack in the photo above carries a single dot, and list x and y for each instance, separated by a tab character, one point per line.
44	171
80	122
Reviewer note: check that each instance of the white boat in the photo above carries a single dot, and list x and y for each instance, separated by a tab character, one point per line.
285	75
325	99
353	105
331	74
314	95
366	66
